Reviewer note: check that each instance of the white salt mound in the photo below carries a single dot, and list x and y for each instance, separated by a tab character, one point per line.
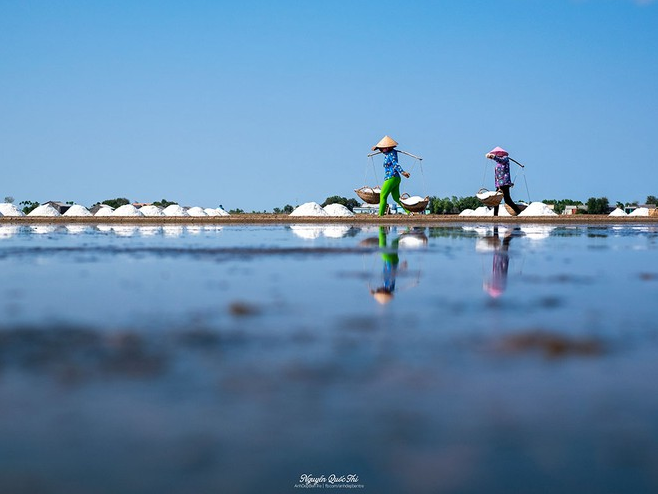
174	210
538	209
127	210
44	210
337	210
212	212
467	212
77	210
108	211
640	212
8	209
483	211
222	212
309	209
196	211
151	210
618	212
483	196
376	190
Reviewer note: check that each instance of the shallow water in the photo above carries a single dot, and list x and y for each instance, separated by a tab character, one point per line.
239	358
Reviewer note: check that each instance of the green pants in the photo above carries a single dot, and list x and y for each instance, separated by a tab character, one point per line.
392	187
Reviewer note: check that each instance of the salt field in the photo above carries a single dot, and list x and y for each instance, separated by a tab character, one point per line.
461	358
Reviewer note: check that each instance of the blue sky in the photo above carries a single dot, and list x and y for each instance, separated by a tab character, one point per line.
258	104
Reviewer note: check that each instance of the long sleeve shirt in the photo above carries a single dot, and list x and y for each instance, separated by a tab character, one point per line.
502	173
391	165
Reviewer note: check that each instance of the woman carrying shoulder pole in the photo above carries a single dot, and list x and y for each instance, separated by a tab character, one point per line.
392	172
503	180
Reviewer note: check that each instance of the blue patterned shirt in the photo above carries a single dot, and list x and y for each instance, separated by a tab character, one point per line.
502	171
391	166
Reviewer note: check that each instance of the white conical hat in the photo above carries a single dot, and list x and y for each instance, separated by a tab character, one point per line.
386	142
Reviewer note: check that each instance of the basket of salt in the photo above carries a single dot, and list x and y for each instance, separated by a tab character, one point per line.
519	204
489	198
370	195
415	204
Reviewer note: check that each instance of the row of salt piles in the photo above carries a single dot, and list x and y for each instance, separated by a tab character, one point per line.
314	209
77	210
533	209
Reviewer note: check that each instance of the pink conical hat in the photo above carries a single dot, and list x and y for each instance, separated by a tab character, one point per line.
498	151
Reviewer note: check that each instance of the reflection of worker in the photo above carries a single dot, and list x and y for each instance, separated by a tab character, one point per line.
392	172
503	180
384	294
498	281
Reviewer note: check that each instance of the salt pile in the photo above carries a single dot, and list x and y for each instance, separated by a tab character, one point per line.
77	210
8	209
337	210
467	212
309	209
44	210
105	211
640	212
212	212
618	212
174	210
222	212
151	211
483	196
538	209
196	211
127	210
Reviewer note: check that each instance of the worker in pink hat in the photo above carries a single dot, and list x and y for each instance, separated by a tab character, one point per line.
503	180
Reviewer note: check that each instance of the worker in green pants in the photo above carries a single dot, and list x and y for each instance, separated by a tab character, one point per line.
392	172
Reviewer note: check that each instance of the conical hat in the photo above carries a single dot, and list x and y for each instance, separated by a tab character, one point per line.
498	151
386	142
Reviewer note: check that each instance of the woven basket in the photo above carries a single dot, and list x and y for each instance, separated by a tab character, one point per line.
653	212
368	195
492	200
512	212
415	208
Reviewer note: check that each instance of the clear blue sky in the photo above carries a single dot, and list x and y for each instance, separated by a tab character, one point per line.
258	104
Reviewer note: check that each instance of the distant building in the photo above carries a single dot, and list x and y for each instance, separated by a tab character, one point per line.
59	206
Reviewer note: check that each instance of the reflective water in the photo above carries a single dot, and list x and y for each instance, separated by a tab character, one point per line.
239	358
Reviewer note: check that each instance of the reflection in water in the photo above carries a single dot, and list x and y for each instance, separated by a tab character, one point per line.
414	238
173	231
124	231
311	232
497	283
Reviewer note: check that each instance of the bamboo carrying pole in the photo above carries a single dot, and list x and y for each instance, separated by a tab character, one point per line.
399	151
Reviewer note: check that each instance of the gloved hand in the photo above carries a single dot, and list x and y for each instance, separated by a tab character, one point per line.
406	174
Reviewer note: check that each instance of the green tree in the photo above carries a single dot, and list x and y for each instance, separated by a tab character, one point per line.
28	206
348	203
9	199
115	203
597	205
452	205
236	211
652	200
287	209
164	203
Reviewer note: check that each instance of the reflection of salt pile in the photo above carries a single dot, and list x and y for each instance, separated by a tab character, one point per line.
308	232
105	211
77	210
44	229
537	232
7	209
77	229
174	210
44	210
147	231
124	231
618	212
336	231
640	212
7	231
337	210
538	209
309	209
127	210
412	241
151	211
172	231
196	211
